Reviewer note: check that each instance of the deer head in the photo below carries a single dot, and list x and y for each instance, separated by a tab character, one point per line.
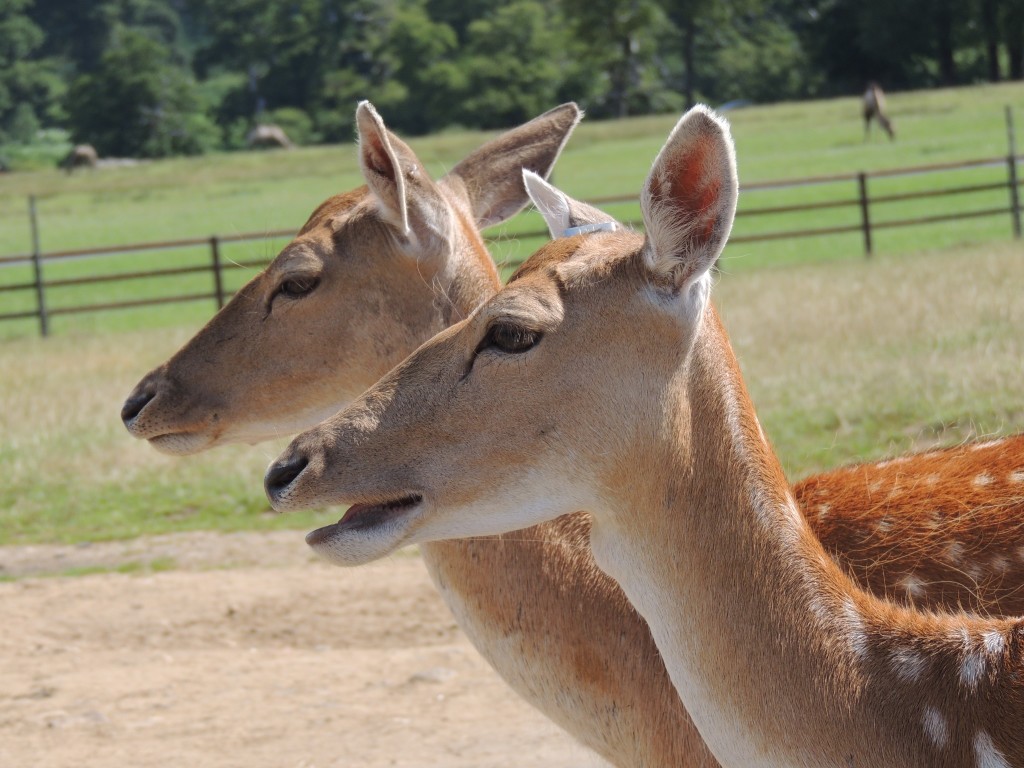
372	274
490	426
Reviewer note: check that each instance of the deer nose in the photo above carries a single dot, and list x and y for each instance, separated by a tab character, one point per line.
136	401
282	474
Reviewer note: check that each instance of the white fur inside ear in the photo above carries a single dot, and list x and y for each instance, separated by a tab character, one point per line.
549	201
381	168
689	199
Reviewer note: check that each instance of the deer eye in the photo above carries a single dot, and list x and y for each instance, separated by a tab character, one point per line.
297	287
510	339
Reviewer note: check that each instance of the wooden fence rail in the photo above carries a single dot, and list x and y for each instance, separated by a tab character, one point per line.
860	199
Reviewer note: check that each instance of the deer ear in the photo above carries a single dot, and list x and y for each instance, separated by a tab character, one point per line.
689	199
407	198
490	177
564	215
549	201
381	166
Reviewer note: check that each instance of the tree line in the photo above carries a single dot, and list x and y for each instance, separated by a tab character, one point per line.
153	78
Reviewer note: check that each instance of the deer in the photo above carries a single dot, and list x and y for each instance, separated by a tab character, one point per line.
873	104
629	403
347	300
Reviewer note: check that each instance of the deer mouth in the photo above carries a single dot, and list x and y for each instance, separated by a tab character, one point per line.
181	443
347	542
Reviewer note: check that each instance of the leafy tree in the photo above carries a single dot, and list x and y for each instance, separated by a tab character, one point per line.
30	87
79	32
138	102
762	60
619	37
686	15
512	64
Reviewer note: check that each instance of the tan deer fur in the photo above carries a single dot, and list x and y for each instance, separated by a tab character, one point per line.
249	375
628	402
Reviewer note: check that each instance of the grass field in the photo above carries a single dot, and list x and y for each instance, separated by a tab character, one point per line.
846	359
253	192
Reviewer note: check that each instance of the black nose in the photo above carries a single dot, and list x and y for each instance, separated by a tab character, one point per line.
283	474
135	403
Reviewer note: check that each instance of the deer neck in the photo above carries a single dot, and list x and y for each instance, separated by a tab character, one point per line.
778	657
469	276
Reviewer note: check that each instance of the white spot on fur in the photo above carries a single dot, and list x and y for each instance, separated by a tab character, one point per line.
935	520
954	552
907	663
875	485
1017	476
983	479
823	510
856	632
974	572
972	667
933	479
912	585
819	609
986	754
994	642
884	524
1000	563
935	726
988	444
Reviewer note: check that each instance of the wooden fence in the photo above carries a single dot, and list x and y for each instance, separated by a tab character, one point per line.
854	193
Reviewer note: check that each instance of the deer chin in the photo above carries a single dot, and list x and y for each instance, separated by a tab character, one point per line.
182	443
367	532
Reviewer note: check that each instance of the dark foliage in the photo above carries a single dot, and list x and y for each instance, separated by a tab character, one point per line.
160	77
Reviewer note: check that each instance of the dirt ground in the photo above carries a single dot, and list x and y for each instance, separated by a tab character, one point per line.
274	660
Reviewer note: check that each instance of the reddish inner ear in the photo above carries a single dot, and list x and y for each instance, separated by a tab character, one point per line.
694	189
377	158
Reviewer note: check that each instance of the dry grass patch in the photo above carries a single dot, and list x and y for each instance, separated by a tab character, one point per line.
850	361
845	360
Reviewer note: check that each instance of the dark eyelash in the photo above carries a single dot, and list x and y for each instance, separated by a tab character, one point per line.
510	339
297	287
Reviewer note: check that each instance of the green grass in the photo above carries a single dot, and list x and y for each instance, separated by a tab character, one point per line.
846	359
253	192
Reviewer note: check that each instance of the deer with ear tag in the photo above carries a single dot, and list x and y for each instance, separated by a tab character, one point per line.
629	403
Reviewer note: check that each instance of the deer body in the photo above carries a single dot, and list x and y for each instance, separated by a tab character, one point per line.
630	404
942	529
874	109
794	666
534	603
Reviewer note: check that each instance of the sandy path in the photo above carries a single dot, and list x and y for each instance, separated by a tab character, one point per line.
292	663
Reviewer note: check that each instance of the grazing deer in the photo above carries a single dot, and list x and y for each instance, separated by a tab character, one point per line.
523	598
630	403
874	107
80	156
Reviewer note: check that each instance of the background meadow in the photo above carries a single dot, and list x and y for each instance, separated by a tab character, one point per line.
847	358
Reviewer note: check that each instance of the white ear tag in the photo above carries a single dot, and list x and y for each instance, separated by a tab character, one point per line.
586	229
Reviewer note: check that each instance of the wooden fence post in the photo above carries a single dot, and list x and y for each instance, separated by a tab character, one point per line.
865	217
1011	165
37	269
218	280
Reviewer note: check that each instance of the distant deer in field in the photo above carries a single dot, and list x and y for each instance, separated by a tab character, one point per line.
81	156
874	107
